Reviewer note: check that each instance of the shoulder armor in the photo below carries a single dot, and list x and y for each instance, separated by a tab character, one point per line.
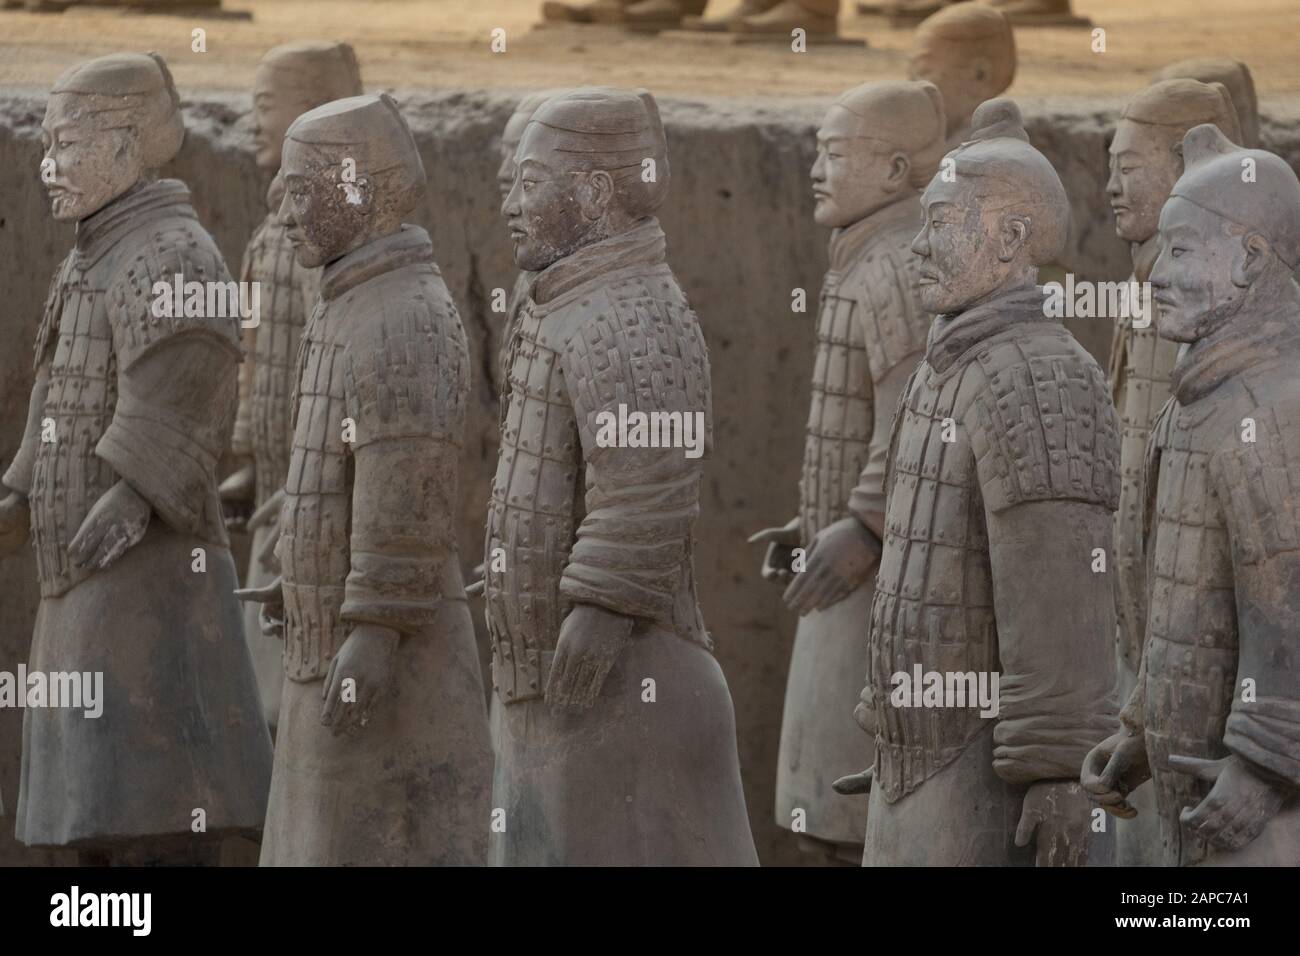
407	372
49	328
638	345
884	284
1042	423
142	297
1259	483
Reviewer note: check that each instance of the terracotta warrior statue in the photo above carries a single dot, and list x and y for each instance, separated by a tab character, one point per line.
1215	717
990	670
878	146
382	755
615	734
969	52
1235	77
1145	161
290	80
134	398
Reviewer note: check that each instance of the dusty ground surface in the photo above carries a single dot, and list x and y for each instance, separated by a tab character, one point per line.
443	44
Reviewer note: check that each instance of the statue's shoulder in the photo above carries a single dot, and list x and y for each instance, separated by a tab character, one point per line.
1041	419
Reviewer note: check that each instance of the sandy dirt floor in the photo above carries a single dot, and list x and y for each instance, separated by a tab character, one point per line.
406	44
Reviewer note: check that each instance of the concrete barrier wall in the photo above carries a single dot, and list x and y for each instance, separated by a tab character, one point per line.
741	239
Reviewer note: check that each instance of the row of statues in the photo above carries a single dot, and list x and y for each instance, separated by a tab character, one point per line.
965	464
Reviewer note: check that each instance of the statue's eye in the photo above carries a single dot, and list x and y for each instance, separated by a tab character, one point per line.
1176	251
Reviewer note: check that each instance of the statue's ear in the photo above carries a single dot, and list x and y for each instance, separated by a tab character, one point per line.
1249	262
1013	234
900	170
596	194
981	68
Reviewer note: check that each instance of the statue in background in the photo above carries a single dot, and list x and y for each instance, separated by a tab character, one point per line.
1235	77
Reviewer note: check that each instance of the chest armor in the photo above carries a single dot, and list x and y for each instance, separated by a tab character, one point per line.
68	476
840	415
1143	389
933	604
314	548
288	292
1191	649
537	502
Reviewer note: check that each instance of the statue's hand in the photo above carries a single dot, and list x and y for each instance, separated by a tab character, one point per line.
591	639
358	676
15	522
854	784
840	558
237	492
1055	814
779	541
479	584
1113	769
1238	806
865	712
271	616
117	522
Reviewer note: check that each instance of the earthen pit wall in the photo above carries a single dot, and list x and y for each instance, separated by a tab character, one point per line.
741	239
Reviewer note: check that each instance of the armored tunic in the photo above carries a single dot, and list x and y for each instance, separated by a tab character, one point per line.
1222	522
287	293
137	390
574	518
1002	477
367	536
870	334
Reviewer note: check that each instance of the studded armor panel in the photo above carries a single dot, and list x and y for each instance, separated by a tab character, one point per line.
571	519
366	527
288	293
1020	414
114	413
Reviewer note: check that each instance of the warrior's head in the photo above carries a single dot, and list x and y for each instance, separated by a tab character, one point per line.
109	123
1236	79
292	79
878	143
969	52
1229	237
1146	155
592	163
994	213
514	130
352	173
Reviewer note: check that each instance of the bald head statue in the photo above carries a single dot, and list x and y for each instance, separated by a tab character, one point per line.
109	122
1146	155
292	79
878	143
993	215
1236	79
969	52
514	130
592	163
1229	238
352	173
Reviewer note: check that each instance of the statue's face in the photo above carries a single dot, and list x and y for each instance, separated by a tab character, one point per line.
549	208
849	174
958	246
964	81
324	216
510	137
274	110
1192	277
1143	169
84	168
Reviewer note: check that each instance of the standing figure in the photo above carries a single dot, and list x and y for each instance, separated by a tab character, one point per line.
878	146
1145	162
1003	473
134	398
1236	79
969	52
290	80
1215	716
382	756
615	730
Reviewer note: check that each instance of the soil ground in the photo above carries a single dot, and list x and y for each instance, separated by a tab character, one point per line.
441	44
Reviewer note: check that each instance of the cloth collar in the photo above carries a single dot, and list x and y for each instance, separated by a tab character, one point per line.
1243	343
951	336
642	245
408	245
848	241
143	203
